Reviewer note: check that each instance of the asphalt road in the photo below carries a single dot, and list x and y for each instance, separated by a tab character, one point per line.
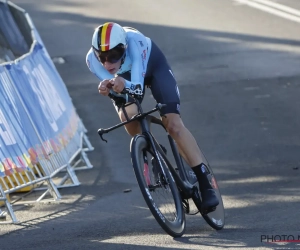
238	70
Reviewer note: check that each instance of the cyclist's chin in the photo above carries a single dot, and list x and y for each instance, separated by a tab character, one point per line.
112	68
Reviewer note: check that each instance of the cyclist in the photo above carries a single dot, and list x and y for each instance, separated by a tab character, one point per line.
123	58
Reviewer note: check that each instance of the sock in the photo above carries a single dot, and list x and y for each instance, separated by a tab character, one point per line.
201	173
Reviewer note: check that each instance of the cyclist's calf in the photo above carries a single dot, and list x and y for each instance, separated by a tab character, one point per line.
186	143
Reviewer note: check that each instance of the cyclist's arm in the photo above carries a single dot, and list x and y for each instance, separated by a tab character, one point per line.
138	57
96	67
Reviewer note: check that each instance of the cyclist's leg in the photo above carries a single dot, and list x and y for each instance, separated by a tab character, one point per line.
186	143
132	128
165	90
190	151
171	119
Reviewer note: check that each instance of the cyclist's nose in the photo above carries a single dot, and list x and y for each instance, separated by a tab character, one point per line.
107	64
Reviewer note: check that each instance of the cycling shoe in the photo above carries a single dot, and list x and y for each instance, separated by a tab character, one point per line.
209	199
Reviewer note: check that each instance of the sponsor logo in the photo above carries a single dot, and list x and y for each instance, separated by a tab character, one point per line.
192	174
141	43
135	90
143	62
144	54
213	183
217	222
177	91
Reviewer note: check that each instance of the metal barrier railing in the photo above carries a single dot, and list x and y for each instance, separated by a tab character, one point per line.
49	157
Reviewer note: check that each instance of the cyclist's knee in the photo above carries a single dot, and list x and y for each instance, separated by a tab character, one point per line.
173	124
133	128
123	117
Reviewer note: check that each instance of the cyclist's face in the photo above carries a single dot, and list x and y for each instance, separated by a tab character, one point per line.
112	68
111	59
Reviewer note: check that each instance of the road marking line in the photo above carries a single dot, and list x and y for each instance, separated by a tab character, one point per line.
279	7
273	8
262	96
251	88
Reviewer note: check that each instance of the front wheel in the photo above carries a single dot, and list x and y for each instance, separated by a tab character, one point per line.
158	187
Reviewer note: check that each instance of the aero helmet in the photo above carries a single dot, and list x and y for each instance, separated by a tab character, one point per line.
107	36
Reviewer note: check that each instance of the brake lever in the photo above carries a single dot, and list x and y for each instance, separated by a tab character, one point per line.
101	131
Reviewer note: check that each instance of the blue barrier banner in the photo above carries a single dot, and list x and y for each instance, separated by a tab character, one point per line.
46	98
17	137
37	116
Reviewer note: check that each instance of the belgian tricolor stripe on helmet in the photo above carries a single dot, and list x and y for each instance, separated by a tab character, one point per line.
105	36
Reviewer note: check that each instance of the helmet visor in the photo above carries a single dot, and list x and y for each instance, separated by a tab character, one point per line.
112	56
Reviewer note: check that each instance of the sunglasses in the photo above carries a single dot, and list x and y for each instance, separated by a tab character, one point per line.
111	56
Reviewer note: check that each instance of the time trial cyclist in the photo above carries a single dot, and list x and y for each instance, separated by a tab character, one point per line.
124	58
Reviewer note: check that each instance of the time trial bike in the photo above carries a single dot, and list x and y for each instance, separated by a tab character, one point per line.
166	188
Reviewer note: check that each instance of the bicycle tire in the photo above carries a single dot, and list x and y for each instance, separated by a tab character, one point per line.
215	219
176	227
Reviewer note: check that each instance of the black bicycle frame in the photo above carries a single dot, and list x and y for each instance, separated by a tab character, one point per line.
181	180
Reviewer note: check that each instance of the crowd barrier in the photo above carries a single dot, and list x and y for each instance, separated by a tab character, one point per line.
41	134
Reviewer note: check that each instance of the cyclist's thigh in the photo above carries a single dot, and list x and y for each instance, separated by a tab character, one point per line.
163	84
132	128
165	90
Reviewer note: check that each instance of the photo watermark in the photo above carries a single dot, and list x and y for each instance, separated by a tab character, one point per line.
280	238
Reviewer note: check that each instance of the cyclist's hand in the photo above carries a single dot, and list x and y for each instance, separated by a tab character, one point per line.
118	84
104	87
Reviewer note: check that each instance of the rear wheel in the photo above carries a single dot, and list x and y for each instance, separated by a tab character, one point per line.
158	187
216	218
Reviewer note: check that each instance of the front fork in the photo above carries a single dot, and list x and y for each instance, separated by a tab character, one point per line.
146	169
